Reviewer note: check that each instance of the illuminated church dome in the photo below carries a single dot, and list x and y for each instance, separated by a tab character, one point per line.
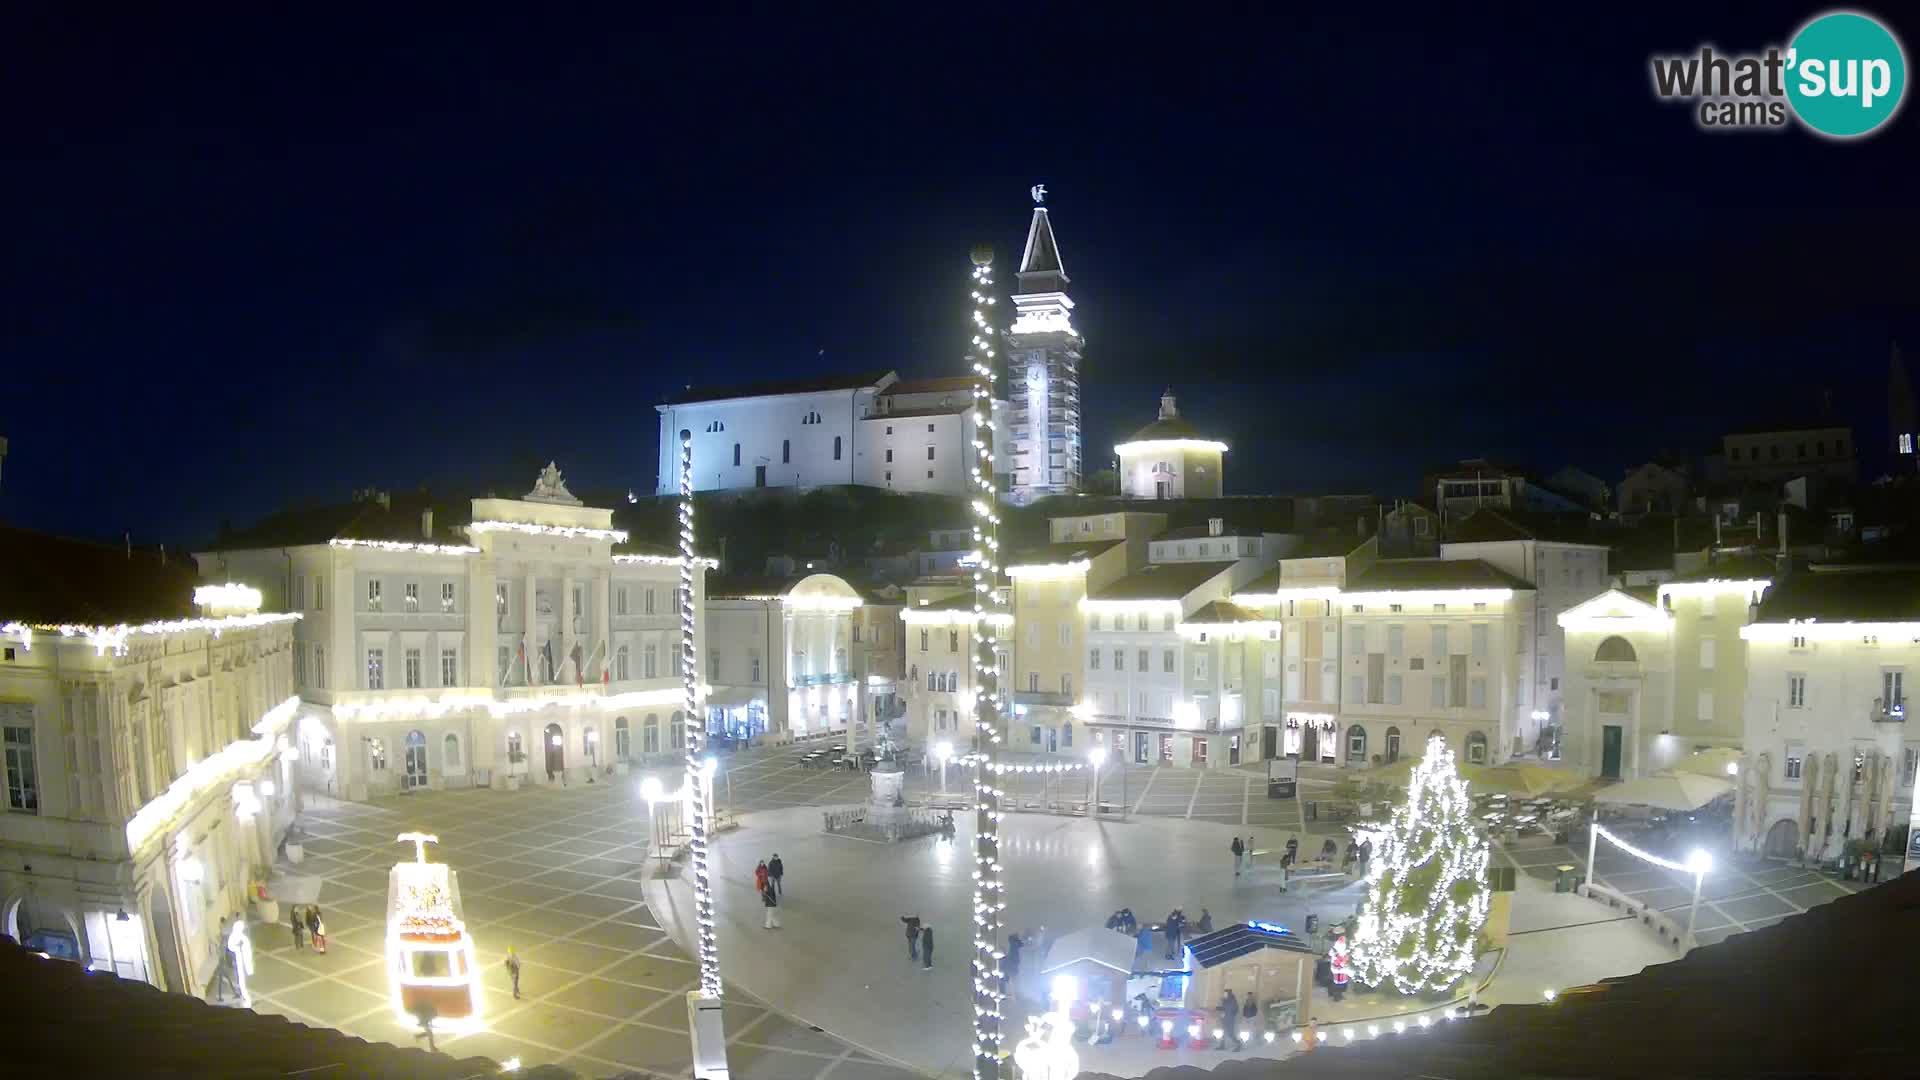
1169	459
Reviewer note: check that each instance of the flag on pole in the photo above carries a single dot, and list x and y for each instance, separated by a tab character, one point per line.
520	658
579	667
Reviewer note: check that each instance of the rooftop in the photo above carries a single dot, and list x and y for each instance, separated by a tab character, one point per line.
1202	532
1493	526
1741	567
134	1029
1845	594
1222	612
1162	581
1390	575
1233	942
56	579
1063	552
846	380
952	384
1172	427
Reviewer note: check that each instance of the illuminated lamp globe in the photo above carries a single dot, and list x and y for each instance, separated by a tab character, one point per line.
982	254
651	789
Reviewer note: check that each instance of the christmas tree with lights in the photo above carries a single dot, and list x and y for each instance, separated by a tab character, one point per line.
1427	888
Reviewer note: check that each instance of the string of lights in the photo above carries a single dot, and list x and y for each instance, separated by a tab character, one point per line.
989	897
699	780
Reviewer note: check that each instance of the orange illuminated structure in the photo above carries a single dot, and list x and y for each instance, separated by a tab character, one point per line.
431	967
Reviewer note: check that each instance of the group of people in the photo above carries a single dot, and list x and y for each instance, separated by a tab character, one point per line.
767	878
1233	1015
1174	929
305	922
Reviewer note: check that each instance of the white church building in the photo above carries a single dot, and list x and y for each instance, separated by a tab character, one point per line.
870	429
1169	459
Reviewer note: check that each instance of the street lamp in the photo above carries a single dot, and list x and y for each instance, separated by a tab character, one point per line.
1099	758
943	750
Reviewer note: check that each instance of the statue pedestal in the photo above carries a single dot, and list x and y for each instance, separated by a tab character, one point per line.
888	782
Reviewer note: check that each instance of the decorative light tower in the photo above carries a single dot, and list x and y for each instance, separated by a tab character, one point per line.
989	898
703	1005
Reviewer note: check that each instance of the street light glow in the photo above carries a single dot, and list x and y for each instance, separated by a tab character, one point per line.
1098	756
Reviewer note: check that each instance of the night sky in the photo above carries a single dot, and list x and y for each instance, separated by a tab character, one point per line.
249	262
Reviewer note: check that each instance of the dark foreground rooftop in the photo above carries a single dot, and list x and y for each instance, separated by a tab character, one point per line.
1826	993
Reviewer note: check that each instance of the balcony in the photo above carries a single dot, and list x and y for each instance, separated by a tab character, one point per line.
1044	697
835	679
1887	711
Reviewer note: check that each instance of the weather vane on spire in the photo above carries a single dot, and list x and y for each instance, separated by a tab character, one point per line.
1039	192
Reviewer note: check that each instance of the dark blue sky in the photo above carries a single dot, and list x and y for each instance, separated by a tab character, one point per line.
252	260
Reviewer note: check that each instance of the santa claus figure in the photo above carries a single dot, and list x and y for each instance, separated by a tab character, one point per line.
1341	965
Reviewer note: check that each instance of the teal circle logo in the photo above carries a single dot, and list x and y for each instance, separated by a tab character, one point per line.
1845	74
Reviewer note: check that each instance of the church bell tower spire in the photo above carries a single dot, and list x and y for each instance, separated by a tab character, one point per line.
1043	368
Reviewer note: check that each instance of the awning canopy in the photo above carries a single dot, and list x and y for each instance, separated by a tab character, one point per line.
1108	948
1666	791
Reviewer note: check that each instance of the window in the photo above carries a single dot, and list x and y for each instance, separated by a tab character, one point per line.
446	596
1093	660
1356	743
579	608
1066	634
1033	682
836	448
500	599
1478	642
23	777
1476	749
753	667
1893	687
1396	640
1798	642
449	667
376	669
320	667
716	426
1704	705
677	731
620	600
929	453
1796	691
929	427
1792	762
1706	654
450	753
373	594
1119	659
411	661
502	663
1481	606
1094	621
713	665
1270	703
1140	622
1477	692
623	663
1034	735
1356	688
319	592
889	455
786	451
1357	640
736	455
1066	684
412	589
1200	666
923	640
650	735
377	755
1144	662
1166	622
953	641
1393	689
650	661
856	632
1439	640
1066	734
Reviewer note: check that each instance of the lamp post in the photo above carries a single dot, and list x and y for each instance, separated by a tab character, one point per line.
942	751
1099	758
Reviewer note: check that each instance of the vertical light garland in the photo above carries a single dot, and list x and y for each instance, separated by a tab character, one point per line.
989	897
698	778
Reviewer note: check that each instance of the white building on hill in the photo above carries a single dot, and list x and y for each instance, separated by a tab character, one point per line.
529	645
1169	459
870	429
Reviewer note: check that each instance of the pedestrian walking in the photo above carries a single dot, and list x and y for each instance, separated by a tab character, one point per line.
299	931
513	971
777	870
772	904
1010	964
1230	1019
1171	929
926	948
913	936
762	877
317	929
1239	854
1249	853
223	970
1366	854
